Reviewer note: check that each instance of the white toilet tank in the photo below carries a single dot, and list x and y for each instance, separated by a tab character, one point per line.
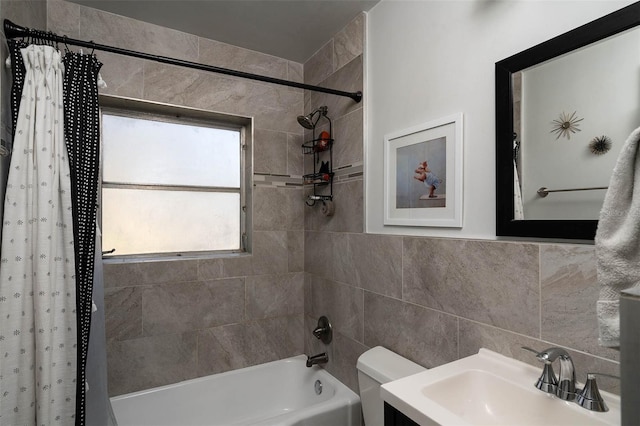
375	367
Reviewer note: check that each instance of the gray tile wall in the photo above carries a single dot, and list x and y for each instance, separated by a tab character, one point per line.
433	300
436	300
173	320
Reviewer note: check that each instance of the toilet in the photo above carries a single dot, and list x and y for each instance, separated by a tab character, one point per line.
375	367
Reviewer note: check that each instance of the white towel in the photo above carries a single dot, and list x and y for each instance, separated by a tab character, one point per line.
618	239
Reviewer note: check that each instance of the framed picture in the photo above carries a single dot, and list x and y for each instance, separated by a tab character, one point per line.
423	174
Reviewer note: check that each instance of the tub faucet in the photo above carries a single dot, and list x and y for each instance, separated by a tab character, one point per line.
323	330
317	359
318	332
564	387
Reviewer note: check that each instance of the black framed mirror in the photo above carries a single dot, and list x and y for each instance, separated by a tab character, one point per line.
516	135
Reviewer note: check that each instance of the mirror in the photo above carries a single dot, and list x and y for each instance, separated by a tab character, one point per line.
564	108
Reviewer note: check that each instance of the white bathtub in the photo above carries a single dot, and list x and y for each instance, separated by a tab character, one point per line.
276	393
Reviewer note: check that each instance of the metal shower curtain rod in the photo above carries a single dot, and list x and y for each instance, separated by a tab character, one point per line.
12	30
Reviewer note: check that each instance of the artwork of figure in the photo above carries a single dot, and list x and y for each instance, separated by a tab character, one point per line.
426	176
419	165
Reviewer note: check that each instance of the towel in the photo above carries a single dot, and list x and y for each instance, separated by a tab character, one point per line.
617	240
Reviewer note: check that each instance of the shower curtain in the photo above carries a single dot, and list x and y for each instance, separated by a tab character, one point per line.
38	331
81	115
99	411
77	131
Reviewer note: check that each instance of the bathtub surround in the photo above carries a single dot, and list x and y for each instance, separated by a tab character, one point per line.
163	328
376	289
174	320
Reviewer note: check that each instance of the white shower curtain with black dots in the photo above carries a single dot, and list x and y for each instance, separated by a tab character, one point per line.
38	337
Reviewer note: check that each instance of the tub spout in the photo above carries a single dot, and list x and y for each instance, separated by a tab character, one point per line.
317	359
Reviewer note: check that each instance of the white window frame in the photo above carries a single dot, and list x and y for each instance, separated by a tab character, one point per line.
125	107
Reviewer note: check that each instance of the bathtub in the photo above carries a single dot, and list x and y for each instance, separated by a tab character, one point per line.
283	392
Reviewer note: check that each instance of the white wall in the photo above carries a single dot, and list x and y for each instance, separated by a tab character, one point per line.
430	59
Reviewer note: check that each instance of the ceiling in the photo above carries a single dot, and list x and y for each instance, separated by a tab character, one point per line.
290	29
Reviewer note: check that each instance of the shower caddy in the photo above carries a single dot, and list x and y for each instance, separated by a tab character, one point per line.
321	177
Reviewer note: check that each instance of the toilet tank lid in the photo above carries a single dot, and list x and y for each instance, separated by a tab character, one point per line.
383	366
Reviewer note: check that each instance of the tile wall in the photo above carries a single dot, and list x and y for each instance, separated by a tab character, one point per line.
433	300
174	320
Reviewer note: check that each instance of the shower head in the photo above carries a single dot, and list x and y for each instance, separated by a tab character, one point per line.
308	122
305	121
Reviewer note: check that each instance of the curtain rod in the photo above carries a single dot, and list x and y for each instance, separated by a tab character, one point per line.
12	30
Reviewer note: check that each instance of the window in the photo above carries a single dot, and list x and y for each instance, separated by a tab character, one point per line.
171	184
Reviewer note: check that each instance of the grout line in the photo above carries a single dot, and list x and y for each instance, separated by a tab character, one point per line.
458	335
198	49
334	65
244	281
363	316
141	315
197	333
540	292
402	269
144	79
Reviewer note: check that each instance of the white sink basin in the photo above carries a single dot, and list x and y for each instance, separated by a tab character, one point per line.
488	389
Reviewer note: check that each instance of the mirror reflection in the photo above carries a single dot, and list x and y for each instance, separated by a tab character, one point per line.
564	109
571	116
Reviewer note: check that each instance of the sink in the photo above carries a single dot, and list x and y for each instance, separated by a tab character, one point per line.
488	389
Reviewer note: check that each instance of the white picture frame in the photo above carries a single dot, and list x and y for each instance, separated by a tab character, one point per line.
415	195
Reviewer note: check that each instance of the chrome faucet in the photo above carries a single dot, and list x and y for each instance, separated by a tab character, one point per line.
567	376
564	387
322	358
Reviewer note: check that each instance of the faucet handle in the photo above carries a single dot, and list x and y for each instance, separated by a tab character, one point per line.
590	397
596	373
323	330
547	382
538	353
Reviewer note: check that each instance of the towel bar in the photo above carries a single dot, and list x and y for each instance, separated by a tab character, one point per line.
543	192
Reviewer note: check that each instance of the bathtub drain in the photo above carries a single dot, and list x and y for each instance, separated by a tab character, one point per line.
318	387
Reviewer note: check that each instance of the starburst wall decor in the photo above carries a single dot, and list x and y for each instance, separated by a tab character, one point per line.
566	124
600	145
